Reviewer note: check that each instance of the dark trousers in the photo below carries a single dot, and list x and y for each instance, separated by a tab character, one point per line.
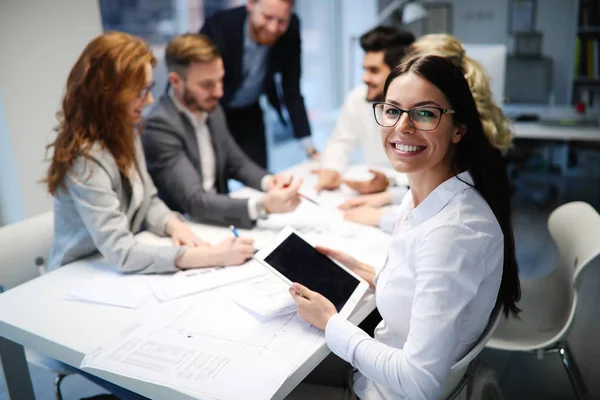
248	129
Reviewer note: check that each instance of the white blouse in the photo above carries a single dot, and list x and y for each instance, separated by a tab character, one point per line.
435	294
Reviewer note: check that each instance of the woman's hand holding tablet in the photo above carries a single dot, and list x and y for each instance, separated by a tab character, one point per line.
325	282
314	308
361	269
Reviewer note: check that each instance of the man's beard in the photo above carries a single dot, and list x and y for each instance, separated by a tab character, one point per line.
192	104
260	39
373	99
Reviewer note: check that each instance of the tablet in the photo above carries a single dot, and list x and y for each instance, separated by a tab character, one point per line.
293	259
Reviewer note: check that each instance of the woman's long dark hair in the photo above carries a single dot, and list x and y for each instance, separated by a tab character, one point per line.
476	154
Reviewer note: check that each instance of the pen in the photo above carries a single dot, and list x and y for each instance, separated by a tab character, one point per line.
308	199
234	231
303	196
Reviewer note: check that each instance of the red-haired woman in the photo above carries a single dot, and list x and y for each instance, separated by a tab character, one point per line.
103	194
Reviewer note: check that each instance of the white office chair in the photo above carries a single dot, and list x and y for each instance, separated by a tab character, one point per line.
549	303
25	247
468	370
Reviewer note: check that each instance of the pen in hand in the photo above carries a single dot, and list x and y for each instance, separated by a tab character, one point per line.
302	196
308	199
236	234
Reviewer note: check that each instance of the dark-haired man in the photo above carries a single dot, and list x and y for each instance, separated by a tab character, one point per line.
384	48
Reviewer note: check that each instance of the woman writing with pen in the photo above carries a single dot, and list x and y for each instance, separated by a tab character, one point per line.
102	192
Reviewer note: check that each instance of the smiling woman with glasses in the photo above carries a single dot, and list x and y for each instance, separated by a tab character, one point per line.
367	209
452	256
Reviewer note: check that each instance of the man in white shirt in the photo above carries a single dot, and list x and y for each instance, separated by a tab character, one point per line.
190	152
384	47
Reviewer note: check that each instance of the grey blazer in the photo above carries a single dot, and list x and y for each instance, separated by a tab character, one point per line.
95	211
173	156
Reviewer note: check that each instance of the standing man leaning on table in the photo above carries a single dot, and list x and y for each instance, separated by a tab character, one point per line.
190	151
257	42
384	48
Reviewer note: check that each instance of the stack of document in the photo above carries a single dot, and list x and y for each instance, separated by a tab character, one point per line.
267	297
185	283
113	289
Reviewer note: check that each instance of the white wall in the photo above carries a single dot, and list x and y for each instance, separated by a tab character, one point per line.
357	17
319	54
40	42
10	188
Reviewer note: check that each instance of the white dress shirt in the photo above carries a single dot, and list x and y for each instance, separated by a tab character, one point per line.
208	161
435	294
356	126
388	220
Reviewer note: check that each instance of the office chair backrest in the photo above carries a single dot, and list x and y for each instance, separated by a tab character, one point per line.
493	59
575	228
459	369
22	245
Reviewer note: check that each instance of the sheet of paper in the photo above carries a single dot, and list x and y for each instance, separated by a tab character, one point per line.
200	352
268	297
113	289
185	283
308	216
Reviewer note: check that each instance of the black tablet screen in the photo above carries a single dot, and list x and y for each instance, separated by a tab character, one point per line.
302	263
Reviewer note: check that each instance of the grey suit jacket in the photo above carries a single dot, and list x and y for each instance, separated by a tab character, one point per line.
95	212
173	156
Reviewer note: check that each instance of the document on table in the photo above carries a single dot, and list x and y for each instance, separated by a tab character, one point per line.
212	348
310	216
113	289
268	297
185	283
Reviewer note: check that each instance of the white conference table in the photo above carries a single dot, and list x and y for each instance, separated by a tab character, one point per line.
35	315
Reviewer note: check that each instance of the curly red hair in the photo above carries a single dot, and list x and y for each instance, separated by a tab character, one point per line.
108	75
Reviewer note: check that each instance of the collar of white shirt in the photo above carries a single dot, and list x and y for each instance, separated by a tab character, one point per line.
195	119
440	196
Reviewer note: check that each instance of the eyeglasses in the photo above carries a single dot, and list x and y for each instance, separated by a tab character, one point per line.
425	118
144	92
